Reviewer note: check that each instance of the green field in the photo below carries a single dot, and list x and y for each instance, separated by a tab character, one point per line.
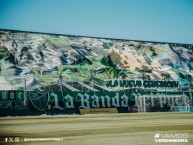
99	129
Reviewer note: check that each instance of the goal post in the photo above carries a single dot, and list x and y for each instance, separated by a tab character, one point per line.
162	103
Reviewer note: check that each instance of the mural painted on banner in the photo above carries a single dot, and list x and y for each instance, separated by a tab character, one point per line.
130	100
11	99
78	100
153	102
44	59
73	101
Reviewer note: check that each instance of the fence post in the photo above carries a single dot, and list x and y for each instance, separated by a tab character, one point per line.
25	92
186	101
26	101
61	88
144	107
191	97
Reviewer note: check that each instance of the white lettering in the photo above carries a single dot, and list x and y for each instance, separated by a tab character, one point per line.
115	100
103	101
124	101
54	98
69	101
95	102
84	99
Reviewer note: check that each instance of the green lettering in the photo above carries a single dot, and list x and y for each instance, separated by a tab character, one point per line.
138	84
116	83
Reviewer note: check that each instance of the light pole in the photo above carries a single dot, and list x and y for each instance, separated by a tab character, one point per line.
25	93
92	80
163	78
61	83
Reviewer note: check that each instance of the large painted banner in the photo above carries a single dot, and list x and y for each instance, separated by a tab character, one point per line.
70	72
11	99
127	101
38	101
40	61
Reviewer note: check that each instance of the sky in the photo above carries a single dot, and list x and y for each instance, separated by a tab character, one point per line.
148	20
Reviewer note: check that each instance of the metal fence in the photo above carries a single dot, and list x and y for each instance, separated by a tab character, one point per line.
49	85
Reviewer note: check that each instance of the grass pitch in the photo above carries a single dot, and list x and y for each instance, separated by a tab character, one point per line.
96	129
